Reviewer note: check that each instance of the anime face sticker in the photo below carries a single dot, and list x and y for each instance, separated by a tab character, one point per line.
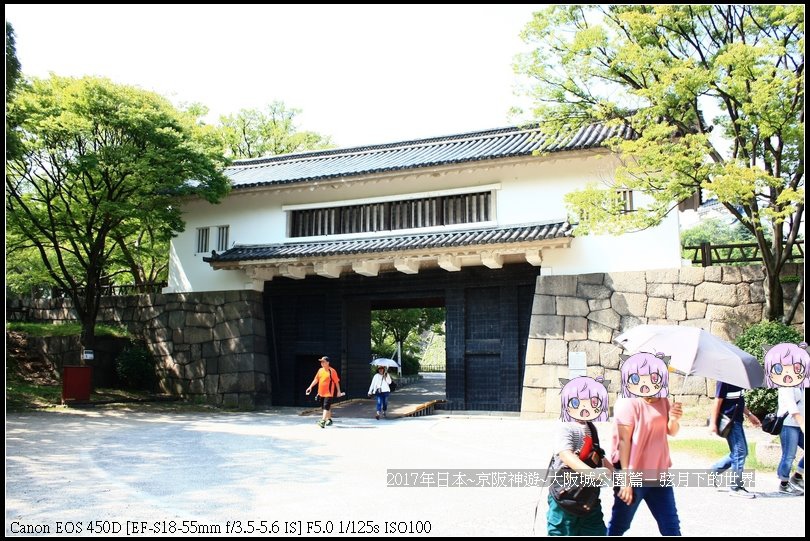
584	399
786	365
645	375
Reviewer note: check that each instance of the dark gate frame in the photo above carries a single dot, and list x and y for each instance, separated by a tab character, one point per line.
488	312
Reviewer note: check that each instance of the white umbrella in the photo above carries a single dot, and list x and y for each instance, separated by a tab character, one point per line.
696	351
382	361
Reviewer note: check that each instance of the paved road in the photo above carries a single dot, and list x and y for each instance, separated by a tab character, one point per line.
218	468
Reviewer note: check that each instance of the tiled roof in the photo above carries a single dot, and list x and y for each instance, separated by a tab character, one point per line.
476	237
466	147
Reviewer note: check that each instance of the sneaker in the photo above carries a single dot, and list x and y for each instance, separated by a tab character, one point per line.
377	416
322	423
383	415
790	489
796	482
329	422
741	492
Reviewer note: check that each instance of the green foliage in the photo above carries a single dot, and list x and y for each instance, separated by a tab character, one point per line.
663	70
100	165
64	329
717	231
13	71
404	326
762	401
135	368
252	133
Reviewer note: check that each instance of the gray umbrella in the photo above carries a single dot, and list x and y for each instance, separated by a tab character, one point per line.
696	351
382	361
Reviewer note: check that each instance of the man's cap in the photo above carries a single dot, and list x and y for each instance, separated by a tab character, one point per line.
324	358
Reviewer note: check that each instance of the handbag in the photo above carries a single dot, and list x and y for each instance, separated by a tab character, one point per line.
574	497
392	386
772	423
724	423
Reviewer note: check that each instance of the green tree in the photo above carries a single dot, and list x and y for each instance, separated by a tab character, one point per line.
403	326
14	77
663	71
252	133
13	68
100	162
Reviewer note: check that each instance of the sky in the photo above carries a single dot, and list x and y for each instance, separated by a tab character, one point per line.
362	75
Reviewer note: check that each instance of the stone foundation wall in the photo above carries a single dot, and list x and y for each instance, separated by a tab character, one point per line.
585	313
210	344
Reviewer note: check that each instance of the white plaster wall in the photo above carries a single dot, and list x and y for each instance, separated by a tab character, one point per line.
530	191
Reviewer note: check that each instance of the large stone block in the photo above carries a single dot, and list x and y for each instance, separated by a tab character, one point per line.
196	319
676	310
695	310
193	370
196	386
629	304
576	328
628	322
690	275
533	401
545	376
595	278
656	308
229	383
556	352
247	382
544	305
627	282
593	291
535	351
242	344
731	275
712	274
659	290
599	333
682	292
609	356
557	285
607	317
744	293
756	292
663	276
548	327
571	306
591	350
711	293
694	385
598	304
752	273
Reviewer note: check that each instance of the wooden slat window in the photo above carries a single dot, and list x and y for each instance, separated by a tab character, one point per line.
392	216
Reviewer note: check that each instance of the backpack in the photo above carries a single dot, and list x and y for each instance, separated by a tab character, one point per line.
572	496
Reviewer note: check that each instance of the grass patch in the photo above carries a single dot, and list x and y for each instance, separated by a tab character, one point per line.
25	396
64	329
714	449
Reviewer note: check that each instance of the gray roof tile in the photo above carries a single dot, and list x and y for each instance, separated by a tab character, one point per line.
466	147
478	237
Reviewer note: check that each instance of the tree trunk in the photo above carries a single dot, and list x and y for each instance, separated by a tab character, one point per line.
774	298
794	304
88	336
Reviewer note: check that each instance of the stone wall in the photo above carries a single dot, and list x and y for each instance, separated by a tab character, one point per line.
210	344
585	313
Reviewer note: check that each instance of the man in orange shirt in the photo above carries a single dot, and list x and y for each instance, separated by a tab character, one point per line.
328	384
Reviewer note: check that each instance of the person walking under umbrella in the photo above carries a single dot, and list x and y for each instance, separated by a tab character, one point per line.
380	388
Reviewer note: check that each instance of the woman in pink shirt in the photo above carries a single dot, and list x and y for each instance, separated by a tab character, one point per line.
644	418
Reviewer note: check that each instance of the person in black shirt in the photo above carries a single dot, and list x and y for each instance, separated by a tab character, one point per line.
729	400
